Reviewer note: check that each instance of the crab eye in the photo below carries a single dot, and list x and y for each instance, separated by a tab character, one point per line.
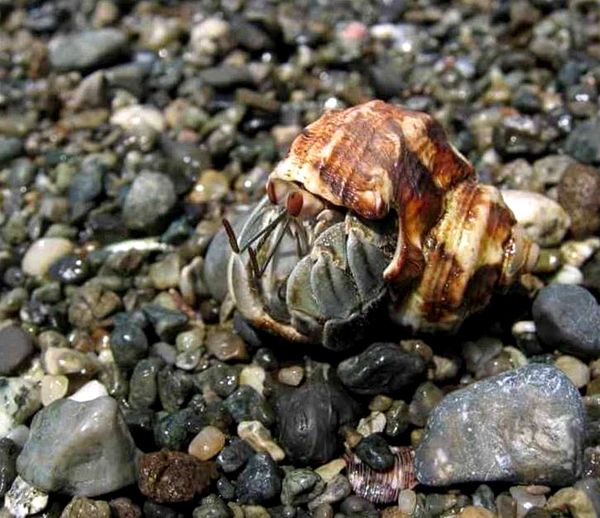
298	202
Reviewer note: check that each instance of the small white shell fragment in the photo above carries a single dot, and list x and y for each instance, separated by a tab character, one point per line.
568	275
523	327
91	390
543	219
43	252
24	499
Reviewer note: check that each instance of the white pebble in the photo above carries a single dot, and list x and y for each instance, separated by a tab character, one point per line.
23	499
53	387
543	219
577	371
374	423
91	390
253	376
576	253
568	275
135	117
43	252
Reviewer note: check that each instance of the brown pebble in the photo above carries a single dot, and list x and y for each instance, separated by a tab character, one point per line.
174	476
209	441
124	508
225	345
579	195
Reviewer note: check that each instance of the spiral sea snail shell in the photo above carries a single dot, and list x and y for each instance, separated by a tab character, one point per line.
457	240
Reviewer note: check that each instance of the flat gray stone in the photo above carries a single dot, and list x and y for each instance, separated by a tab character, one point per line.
86	50
522	426
82	449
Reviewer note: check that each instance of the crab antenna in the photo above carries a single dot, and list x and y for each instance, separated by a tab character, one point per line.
233	242
280	233
266	229
254	264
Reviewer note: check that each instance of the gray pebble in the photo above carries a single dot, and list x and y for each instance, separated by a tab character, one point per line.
95	457
525	425
87	49
16	346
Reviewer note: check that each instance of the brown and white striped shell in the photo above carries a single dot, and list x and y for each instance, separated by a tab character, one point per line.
382	487
457	240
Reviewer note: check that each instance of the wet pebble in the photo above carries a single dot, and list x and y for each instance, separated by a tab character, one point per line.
16	346
300	486
173	476
143	387
19	400
8	464
23	499
43	253
123	507
292	375
336	490
259	437
259	481
579	195
544	220
380	369
583	142
53	387
208	443
488	431
150	198
79	507
567	318
375	452
245	404
87	49
577	371
234	455
69	269
98	433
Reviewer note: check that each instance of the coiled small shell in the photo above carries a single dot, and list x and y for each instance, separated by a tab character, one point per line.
382	487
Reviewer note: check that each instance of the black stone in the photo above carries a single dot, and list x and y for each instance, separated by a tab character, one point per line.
234	455
8	464
69	269
259	481
567	318
382	368
375	451
128	344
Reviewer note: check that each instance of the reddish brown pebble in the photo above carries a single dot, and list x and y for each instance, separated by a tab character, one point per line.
124	508
174	476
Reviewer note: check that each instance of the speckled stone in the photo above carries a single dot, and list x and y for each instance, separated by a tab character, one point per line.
525	425
173	476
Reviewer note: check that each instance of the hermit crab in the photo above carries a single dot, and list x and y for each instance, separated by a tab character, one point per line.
372	206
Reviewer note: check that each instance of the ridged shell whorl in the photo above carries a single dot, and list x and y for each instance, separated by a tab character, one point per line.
372	158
